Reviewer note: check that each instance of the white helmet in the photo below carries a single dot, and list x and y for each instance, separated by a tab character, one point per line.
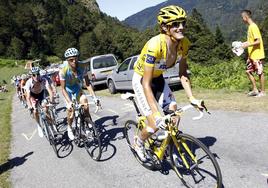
23	76
43	72
71	52
35	70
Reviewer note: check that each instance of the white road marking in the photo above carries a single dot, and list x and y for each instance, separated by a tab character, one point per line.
32	134
266	175
112	111
95	115
129	105
127	109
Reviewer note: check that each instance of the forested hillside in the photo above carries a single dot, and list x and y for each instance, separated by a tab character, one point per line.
222	13
32	29
37	28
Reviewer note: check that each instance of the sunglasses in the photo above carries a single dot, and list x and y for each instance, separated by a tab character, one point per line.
36	75
71	59
177	24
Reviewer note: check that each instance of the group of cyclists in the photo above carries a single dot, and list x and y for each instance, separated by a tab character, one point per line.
152	93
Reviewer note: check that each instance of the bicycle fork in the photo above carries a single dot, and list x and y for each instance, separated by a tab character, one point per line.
181	153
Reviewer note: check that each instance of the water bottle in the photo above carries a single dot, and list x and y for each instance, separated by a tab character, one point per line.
161	135
78	122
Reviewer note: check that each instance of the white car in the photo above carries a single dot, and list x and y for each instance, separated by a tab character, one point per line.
100	67
121	77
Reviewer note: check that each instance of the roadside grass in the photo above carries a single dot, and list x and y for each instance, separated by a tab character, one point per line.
221	99
5	123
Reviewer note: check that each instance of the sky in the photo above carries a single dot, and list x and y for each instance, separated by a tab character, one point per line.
124	8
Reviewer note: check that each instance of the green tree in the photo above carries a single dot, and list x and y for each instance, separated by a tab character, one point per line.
16	49
77	21
264	33
88	44
63	42
218	35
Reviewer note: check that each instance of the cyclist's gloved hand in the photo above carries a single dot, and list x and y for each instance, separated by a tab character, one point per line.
197	103
159	121
97	101
30	109
69	105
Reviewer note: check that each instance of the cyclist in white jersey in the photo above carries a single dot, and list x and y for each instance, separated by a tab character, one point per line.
35	90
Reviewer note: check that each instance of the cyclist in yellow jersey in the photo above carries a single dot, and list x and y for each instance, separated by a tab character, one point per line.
256	54
159	53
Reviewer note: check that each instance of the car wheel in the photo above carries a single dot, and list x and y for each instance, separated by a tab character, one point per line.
111	87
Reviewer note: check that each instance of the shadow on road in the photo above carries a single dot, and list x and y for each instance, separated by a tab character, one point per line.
108	135
208	141
64	146
11	163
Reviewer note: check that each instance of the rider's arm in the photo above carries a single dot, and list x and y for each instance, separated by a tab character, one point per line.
89	86
27	91
64	92
256	42
184	77
146	84
50	91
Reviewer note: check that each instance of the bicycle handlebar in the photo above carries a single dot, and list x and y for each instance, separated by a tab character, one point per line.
131	96
184	109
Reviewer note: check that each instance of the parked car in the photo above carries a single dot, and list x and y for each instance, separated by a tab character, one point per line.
100	67
121	77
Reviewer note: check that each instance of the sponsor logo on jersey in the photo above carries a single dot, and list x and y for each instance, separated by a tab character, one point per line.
150	59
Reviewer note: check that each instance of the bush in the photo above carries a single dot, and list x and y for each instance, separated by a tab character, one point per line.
230	75
11	62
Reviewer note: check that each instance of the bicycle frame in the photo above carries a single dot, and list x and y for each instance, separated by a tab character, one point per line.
172	129
184	159
172	132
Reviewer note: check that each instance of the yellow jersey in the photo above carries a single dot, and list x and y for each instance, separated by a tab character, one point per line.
154	55
255	52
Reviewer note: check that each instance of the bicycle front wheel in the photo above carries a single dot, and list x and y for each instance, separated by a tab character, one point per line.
92	142
52	139
194	164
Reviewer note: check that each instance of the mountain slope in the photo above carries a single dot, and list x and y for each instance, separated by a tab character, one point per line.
225	13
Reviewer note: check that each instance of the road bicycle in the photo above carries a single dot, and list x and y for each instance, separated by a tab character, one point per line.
191	160
85	131
48	123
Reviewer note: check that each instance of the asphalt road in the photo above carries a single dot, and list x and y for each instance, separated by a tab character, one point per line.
240	141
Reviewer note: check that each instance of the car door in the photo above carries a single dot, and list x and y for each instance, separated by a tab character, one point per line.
131	72
121	78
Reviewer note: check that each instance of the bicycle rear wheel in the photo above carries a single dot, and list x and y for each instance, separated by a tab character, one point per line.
91	140
131	130
203	169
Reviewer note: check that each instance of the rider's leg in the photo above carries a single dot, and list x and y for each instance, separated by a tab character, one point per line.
252	80
261	76
149	129
250	69
83	100
262	82
33	102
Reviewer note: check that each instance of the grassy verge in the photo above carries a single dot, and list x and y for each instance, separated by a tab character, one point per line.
5	123
5	136
220	99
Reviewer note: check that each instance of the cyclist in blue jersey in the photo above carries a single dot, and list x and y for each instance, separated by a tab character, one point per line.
72	76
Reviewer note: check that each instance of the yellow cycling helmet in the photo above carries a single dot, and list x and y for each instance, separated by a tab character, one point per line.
170	14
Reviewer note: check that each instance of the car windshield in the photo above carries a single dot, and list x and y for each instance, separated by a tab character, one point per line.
102	62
